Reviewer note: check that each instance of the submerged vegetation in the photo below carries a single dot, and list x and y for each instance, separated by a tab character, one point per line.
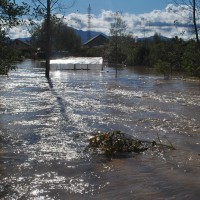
165	55
116	142
7	55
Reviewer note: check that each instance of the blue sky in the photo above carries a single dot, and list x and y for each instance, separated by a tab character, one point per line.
131	6
144	18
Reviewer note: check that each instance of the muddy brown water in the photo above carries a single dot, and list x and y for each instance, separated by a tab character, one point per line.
45	127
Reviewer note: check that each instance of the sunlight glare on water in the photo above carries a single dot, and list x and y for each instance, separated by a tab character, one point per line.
45	127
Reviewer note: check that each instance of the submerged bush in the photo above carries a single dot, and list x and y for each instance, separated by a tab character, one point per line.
163	67
5	67
115	142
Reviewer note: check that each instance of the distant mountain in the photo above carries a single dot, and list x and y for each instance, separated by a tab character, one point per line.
84	36
27	40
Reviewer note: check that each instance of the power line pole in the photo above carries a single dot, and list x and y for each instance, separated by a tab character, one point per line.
89	22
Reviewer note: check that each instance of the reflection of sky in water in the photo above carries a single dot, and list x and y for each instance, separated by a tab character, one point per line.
47	127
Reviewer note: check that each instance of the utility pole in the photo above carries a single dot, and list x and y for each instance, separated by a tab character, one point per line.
89	22
48	38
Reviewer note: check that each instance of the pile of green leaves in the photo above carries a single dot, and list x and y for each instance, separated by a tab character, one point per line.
116	142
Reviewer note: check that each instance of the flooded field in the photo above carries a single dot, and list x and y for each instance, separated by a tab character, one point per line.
45	127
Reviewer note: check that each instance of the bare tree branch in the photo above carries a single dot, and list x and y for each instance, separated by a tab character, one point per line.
193	7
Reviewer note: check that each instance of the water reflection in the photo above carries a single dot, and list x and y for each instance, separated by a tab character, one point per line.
45	128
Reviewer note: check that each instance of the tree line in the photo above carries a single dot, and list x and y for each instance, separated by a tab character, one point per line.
165	55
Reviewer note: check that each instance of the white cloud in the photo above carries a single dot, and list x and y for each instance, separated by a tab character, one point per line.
18	32
171	21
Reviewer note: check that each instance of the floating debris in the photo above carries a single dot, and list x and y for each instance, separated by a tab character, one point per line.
116	142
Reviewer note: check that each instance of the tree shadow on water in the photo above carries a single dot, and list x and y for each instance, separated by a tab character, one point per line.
59	99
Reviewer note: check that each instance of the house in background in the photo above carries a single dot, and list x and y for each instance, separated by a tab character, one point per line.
20	44
97	41
23	47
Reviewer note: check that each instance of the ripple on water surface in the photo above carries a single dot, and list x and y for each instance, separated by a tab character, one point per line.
45	127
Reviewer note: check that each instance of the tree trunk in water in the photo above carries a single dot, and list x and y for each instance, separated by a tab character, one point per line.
194	20
48	37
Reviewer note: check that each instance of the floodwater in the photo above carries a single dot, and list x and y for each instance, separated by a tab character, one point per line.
45	127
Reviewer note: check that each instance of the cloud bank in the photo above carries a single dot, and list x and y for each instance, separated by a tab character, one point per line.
171	21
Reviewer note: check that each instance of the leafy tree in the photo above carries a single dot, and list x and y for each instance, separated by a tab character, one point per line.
93	52
7	55
191	58
166	56
10	14
176	50
44	9
158	51
159	58
119	40
163	67
138	54
193	6
63	38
